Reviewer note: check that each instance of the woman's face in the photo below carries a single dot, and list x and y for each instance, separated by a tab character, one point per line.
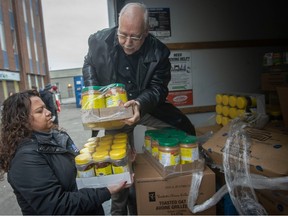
40	117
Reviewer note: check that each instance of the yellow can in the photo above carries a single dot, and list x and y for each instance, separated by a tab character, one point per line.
103	165
92	98
121	135
218	98
84	165
119	161
115	95
189	151
119	146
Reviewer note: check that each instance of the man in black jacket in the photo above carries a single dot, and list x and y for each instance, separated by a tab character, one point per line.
128	54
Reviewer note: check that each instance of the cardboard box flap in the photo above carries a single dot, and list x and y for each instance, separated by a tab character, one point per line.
268	152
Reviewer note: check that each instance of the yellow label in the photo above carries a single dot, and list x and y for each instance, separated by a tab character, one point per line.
188	155
155	152
93	101
148	144
120	169
104	171
168	159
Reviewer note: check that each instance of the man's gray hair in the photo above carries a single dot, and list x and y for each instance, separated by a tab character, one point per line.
142	7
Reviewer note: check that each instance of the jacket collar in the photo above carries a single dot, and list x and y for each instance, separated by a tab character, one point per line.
50	142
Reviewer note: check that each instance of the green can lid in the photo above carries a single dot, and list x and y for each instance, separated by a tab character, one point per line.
157	136
149	132
189	139
93	88
178	134
168	142
113	85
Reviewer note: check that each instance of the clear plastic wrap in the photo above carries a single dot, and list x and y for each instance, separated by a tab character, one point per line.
240	183
102	106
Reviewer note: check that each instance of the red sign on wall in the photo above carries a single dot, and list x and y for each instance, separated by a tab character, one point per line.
181	98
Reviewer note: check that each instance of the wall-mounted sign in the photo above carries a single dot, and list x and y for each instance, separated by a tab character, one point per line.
4	75
159	21
180	86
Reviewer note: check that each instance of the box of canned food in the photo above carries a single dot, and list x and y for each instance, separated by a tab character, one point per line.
104	161
102	106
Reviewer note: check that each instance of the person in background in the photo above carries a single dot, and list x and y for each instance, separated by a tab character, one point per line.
130	55
39	161
34	88
55	90
48	97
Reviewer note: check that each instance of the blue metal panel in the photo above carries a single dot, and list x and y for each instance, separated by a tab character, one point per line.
78	85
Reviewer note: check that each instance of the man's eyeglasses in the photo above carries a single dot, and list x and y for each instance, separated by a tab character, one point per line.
133	38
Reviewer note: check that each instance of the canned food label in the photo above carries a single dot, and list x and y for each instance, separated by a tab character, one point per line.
155	152
189	154
148	145
120	169
104	171
168	159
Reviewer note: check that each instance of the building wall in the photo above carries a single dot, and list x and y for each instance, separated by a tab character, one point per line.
23	55
64	80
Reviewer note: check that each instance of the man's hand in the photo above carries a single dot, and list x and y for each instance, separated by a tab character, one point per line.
136	110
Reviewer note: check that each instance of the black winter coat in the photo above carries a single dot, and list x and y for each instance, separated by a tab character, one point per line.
152	76
42	175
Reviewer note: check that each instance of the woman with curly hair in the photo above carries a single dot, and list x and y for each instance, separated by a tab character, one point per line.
39	161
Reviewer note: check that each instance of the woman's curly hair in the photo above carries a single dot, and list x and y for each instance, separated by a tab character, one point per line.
15	126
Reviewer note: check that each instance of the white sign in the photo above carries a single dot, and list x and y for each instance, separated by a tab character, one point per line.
181	74
4	75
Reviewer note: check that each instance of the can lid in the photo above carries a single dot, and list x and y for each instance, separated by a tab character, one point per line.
233	112
189	140
219	119
156	136
103	147
119	146
84	150
120	140
218	109
225	110
241	102
83	158
93	88
168	142
225	100
232	100
120	135
100	155
117	154
218	98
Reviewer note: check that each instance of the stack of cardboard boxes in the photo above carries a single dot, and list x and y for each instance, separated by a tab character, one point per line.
267	157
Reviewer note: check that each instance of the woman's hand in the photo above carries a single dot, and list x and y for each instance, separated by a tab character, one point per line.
117	187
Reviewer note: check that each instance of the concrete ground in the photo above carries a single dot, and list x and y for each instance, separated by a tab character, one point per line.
69	119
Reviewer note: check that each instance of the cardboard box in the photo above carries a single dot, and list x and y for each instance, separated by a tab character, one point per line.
105	118
269	81
103	181
157	196
200	131
176	170
268	152
274	202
